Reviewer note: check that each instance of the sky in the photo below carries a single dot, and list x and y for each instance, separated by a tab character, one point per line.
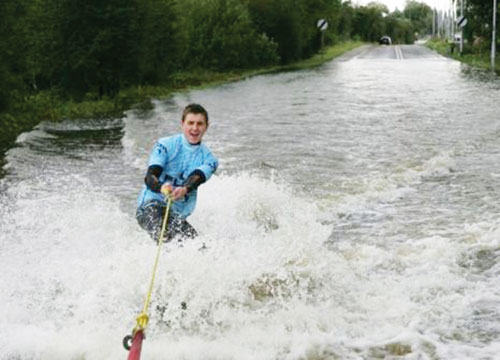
400	4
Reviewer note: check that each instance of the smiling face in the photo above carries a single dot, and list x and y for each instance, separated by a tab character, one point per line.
194	127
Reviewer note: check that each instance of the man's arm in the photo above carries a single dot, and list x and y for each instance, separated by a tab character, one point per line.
208	167
152	178
195	179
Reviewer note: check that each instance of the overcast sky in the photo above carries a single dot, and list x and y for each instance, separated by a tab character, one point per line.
400	4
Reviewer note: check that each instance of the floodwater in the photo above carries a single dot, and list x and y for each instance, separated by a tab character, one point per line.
355	215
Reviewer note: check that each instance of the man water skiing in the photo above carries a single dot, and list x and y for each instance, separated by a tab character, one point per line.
177	166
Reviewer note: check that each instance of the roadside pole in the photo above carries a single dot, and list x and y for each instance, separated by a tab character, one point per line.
322	26
460	24
434	22
493	36
462	29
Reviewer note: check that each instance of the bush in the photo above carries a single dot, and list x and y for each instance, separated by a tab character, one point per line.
221	36
289	24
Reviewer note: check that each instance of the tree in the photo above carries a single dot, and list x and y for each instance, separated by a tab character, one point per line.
221	36
420	16
399	28
161	40
346	19
369	22
12	48
292	24
93	45
479	15
381	8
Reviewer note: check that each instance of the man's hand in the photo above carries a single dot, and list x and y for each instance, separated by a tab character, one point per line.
179	192
166	189
176	193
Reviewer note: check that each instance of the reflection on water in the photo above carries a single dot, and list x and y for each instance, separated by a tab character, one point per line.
354	215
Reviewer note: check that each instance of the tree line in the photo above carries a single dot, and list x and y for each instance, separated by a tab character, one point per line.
95	48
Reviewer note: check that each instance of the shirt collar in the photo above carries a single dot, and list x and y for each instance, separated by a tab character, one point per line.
185	142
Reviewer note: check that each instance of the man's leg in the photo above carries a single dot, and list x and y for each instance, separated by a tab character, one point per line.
178	227
150	218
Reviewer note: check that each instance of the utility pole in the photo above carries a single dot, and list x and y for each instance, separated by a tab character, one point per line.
493	35
434	22
462	29
456	4
440	25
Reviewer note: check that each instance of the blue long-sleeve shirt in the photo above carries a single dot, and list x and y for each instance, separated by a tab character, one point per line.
178	159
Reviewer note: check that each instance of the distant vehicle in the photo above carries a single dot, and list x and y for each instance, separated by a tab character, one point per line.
385	40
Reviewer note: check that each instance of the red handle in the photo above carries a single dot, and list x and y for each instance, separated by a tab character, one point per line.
135	349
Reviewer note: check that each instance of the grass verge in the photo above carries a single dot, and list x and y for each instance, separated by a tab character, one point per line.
477	60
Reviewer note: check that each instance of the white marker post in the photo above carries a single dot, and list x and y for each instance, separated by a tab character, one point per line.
461	22
322	26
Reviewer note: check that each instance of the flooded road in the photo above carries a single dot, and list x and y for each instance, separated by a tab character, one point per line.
355	215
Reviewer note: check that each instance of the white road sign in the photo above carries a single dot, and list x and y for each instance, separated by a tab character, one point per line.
461	21
322	24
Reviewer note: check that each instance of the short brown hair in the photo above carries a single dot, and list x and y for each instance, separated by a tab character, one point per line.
194	109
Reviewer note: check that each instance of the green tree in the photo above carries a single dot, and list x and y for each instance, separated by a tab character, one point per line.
315	10
12	48
292	24
420	16
42	37
345	23
399	28
161	40
221	36
379	7
94	45
369	22
479	16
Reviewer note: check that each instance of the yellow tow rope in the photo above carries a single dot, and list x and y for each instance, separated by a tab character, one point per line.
143	318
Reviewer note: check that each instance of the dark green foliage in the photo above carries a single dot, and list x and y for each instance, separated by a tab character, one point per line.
279	19
292	24
399	29
420	17
479	15
221	36
478	31
371	22
161	40
12	50
345	26
368	22
96	45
